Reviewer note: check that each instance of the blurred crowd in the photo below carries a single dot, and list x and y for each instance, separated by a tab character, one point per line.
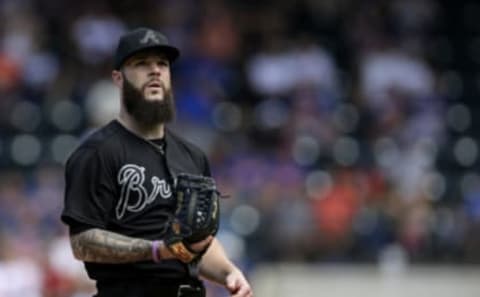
344	131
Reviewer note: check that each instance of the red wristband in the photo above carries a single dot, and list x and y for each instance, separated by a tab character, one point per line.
155	248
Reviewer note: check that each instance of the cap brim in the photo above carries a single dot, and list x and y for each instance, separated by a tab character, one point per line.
171	52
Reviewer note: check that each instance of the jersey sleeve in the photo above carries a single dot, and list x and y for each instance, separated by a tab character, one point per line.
88	190
206	166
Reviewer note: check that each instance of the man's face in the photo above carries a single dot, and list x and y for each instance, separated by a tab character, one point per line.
146	91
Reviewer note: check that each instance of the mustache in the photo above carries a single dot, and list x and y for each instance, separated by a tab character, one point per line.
154	81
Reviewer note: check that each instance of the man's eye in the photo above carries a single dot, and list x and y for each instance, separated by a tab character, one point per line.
140	63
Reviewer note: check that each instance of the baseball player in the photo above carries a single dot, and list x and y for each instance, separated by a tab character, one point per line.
119	192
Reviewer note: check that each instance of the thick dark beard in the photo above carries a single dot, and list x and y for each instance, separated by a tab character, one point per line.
147	113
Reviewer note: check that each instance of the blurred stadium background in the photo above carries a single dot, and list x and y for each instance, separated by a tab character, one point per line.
345	131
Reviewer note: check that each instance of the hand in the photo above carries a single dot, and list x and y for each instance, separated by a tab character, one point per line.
197	247
202	245
237	284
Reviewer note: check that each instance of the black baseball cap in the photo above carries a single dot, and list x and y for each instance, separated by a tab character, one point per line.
141	39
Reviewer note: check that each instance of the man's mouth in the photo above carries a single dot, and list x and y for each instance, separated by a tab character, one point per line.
154	85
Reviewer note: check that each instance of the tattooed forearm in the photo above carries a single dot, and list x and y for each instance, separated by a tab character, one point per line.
102	246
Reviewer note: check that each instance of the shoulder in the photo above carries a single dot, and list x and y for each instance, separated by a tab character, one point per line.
102	136
185	145
185	152
101	141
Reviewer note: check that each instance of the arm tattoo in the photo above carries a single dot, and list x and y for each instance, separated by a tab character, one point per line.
102	246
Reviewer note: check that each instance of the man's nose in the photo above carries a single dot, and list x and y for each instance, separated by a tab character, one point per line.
155	68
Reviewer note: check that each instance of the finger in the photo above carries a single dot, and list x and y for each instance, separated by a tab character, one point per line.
232	284
238	287
243	291
201	245
207	240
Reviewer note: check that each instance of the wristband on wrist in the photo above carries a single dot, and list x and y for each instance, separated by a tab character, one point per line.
155	250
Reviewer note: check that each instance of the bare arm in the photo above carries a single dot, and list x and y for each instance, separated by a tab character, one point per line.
215	266
96	245
101	246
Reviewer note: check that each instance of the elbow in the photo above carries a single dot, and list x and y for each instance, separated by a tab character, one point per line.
77	250
77	254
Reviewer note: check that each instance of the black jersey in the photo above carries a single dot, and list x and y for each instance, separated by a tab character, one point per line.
120	182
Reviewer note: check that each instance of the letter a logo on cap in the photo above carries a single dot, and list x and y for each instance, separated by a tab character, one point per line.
149	37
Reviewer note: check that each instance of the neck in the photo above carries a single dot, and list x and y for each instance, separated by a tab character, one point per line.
153	132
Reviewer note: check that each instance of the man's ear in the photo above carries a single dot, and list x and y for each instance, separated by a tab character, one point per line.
117	78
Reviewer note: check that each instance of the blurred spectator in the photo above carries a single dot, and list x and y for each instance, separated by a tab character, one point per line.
96	35
335	210
65	276
20	272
